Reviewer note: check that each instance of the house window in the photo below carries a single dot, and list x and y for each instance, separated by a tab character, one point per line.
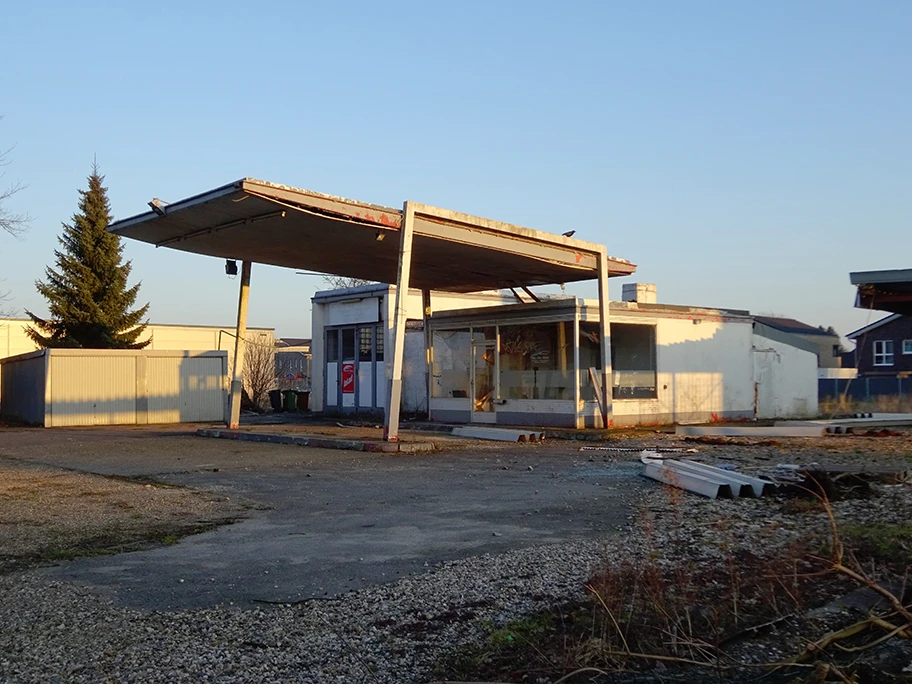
883	352
907	346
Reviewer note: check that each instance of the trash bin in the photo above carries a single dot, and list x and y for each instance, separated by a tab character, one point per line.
303	401
290	397
275	399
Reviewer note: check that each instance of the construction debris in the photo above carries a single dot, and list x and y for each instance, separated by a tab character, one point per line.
839	425
499	434
634	450
808	429
702	479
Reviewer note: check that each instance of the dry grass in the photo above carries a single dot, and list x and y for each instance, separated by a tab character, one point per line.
847	405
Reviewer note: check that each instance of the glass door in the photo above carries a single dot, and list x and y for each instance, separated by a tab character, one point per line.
483	377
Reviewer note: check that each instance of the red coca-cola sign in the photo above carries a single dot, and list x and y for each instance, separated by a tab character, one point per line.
348	378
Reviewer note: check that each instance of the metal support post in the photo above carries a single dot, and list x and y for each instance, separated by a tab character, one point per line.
240	344
577	374
394	390
428	346
605	339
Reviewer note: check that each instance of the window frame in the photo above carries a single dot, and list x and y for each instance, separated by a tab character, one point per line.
907	346
884	353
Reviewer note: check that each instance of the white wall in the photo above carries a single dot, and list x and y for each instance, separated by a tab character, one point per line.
786	380
13	340
414	374
317	351
703	370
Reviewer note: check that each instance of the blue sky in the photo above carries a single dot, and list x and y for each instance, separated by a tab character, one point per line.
744	155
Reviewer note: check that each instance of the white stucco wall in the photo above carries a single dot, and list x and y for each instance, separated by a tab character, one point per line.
786	379
703	370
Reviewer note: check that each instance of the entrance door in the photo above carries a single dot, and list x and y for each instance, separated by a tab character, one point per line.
483	382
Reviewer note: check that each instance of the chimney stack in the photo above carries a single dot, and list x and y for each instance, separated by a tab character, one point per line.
641	293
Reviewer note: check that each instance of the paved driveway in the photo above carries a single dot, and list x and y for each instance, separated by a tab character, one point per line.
325	522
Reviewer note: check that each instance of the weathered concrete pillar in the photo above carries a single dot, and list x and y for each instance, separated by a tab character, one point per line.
240	345
394	391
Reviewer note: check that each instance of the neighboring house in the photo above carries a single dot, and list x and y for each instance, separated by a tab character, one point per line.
884	348
828	348
498	361
292	363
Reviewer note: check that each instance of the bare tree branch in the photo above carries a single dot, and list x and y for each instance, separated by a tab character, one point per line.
338	282
13	223
259	371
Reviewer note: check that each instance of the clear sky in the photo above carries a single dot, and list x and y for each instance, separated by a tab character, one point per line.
744	155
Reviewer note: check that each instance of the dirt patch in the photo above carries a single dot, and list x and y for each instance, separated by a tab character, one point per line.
49	514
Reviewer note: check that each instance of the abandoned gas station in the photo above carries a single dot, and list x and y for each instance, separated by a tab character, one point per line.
419	246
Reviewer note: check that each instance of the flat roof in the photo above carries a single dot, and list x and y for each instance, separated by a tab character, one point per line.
567	304
884	290
268	223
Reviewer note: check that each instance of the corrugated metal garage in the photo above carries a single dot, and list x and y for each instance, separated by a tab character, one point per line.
67	387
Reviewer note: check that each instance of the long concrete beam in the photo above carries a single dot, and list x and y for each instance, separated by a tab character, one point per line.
771	431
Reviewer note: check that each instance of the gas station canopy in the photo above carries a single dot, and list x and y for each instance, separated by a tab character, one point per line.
262	222
884	290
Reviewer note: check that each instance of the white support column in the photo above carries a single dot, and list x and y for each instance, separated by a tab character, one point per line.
394	390
240	345
605	339
577	403
428	346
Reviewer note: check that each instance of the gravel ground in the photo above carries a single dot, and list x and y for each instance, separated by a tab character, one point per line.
55	632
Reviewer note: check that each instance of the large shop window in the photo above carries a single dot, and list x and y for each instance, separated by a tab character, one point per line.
452	358
536	361
633	360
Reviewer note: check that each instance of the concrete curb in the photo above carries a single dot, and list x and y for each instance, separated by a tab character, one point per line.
320	442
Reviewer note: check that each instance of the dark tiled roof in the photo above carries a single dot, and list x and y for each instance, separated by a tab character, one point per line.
790	325
293	342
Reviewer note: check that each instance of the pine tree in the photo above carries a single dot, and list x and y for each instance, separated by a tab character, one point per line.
88	295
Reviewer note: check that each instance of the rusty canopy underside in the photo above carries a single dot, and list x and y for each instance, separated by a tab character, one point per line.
884	290
265	223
